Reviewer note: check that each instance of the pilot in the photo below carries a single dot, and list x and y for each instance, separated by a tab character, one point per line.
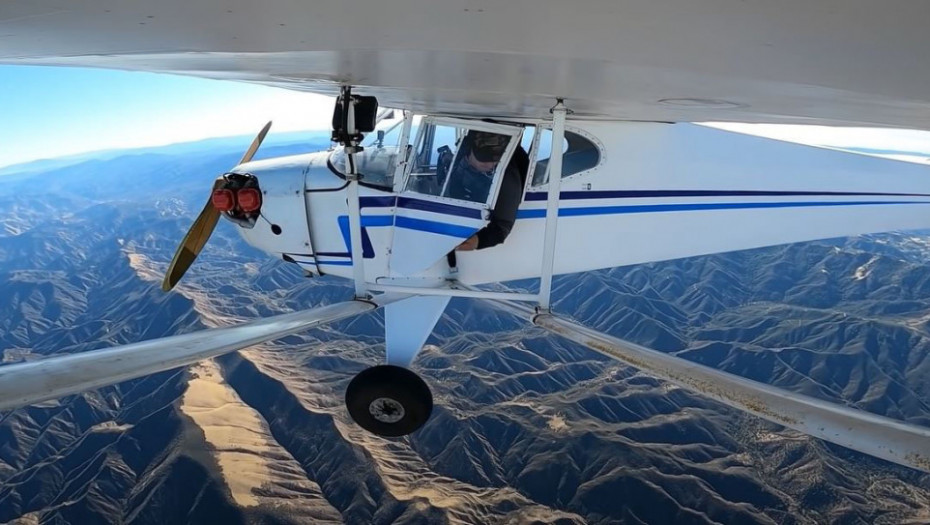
471	180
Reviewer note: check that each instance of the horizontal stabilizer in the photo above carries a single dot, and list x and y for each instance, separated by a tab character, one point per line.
26	383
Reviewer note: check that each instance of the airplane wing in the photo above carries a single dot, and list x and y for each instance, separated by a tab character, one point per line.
833	62
31	382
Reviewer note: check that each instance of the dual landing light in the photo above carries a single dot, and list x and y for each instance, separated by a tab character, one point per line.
244	200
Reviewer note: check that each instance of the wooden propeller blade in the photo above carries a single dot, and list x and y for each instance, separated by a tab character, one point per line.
190	247
249	153
203	227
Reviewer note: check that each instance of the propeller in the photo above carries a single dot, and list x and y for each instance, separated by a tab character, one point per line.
203	226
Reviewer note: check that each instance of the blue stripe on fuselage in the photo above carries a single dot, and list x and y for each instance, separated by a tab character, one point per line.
647	194
368	221
438	207
699	206
410	203
441	228
377	202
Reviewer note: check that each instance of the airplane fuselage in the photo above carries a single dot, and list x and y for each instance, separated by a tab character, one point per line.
655	191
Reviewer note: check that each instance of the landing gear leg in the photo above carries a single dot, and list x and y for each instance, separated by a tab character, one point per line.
389	401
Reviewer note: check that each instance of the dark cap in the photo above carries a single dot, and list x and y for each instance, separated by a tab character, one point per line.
488	147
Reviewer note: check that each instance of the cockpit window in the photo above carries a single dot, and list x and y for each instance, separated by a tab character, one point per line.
377	161
578	154
457	161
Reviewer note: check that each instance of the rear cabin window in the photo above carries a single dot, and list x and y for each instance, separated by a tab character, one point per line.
578	154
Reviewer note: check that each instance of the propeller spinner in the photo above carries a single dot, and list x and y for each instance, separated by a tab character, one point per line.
203	226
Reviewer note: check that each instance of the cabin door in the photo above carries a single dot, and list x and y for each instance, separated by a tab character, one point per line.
447	193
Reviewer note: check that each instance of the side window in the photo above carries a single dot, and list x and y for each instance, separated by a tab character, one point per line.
578	154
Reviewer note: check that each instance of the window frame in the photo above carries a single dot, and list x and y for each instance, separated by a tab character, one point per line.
515	131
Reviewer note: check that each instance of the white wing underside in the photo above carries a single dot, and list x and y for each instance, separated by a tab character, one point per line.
836	62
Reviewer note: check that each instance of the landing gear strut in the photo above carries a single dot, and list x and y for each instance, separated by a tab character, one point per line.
389	401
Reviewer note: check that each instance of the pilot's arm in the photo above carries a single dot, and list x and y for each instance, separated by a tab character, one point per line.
504	213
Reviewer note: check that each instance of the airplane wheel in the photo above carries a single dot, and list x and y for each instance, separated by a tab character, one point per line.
389	400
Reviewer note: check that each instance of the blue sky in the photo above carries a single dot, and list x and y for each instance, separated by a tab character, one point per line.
50	112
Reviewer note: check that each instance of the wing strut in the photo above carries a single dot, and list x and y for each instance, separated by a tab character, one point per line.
552	204
878	436
26	383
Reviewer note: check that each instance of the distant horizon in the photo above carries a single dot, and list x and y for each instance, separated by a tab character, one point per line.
53	112
90	155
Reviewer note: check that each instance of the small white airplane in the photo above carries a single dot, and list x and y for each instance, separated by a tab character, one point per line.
598	93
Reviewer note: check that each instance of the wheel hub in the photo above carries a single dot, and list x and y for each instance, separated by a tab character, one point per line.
386	410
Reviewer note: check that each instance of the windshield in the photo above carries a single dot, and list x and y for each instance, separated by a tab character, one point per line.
376	163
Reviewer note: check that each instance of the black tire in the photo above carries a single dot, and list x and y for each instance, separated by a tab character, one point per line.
389	401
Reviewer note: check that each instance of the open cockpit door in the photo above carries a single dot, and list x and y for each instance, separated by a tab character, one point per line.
450	184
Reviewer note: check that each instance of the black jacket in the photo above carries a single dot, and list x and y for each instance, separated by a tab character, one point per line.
504	213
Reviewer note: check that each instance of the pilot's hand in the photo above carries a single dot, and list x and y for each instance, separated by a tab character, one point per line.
468	245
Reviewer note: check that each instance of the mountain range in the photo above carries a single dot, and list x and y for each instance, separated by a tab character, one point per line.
527	427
